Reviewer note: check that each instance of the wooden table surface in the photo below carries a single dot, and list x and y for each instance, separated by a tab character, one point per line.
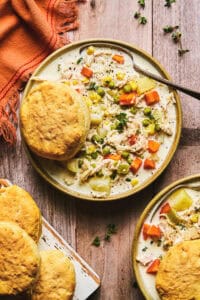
79	221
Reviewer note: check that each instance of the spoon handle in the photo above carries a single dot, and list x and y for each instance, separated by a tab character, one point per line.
183	89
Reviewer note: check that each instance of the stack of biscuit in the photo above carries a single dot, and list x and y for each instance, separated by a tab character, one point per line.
45	275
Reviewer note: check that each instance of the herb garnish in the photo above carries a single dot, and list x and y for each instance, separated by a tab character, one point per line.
79	60
169	29
137	15
111	229
176	37
144	249
113	175
169	2
141	3
92	86
122	118
142	20
96	242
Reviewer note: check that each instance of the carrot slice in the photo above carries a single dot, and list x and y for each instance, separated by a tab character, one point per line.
145	230
149	164
154	232
118	58
86	72
153	267
136	164
113	156
153	146
127	99
152	97
132	139
165	208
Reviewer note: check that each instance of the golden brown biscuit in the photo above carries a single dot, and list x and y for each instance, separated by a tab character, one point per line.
179	272
54	120
16	205
56	280
19	259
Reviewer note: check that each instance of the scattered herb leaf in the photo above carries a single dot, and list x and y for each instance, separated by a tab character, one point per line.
144	249
169	29
96	242
169	2
137	14
176	36
128	179
111	229
181	52
142	20
141	3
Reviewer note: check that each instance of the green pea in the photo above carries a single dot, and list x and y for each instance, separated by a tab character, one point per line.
145	122
147	111
133	110
111	85
127	88
123	169
106	150
100	91
125	154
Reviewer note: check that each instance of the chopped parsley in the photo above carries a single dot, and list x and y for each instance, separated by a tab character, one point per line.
142	20
137	14
169	2
92	86
141	3
122	118
79	60
111	229
144	249
96	242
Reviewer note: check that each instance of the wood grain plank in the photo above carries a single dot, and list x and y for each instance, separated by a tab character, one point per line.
184	70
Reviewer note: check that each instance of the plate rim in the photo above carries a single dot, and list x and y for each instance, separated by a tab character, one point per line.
140	222
169	156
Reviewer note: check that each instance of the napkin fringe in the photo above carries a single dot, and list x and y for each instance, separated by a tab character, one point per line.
64	19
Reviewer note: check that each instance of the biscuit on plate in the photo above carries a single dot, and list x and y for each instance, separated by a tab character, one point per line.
56	279
19	259
54	120
178	276
16	205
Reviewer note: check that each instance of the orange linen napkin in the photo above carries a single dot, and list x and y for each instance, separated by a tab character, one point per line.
29	31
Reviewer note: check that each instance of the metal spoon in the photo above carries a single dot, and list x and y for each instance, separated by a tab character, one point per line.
179	87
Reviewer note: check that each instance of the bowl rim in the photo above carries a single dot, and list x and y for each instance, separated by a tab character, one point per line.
140	223
170	154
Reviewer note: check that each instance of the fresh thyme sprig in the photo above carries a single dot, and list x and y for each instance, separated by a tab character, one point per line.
169	2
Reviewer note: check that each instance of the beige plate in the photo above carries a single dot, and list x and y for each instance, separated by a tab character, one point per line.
157	67
155	202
